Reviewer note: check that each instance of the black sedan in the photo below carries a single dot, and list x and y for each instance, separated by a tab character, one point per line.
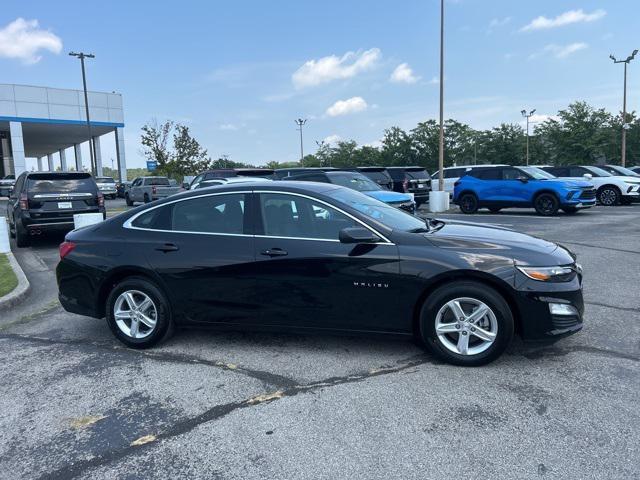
304	256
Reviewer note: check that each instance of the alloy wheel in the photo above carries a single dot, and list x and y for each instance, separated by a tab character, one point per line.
466	326
135	314
608	197
546	204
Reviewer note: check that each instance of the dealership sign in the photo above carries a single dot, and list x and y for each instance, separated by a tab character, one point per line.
152	165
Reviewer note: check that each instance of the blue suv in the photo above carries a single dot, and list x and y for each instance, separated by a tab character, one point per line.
524	187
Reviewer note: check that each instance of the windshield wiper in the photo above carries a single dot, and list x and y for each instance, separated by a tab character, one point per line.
430	225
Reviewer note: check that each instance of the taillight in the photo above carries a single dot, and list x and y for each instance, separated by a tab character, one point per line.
154	190
24	202
100	200
405	185
66	248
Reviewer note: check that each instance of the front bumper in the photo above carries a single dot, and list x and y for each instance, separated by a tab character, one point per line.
534	298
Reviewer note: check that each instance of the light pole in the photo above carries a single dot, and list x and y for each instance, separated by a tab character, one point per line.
624	105
82	56
528	116
441	139
300	122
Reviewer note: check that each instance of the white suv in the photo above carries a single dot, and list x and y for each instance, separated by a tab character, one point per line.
611	189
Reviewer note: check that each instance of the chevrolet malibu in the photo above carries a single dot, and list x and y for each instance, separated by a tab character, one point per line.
305	256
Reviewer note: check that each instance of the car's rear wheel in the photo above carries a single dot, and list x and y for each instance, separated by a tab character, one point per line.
468	203
22	236
138	313
609	196
128	200
546	204
466	323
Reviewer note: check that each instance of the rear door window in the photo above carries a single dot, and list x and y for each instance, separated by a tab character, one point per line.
489	174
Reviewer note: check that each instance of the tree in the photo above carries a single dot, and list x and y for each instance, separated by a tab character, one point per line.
397	148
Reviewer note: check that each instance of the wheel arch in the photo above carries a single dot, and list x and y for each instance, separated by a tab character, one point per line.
500	286
118	275
546	190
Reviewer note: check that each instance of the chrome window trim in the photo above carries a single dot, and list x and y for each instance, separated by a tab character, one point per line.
128	223
373	230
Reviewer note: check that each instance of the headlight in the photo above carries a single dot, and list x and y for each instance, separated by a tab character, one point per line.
549	274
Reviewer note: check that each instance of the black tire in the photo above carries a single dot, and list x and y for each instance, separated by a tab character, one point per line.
128	200
468	289
494	209
546	204
570	210
609	195
12	229
164	327
146	198
22	236
468	203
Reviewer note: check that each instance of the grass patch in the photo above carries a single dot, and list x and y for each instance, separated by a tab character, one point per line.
8	279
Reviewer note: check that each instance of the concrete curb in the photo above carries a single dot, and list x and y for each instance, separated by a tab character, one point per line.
21	290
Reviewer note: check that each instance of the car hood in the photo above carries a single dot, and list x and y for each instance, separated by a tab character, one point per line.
388	196
571	183
629	179
521	248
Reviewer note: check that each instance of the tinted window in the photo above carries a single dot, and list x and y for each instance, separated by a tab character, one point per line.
105	180
354	181
61	183
512	174
488	174
18	186
160	181
453	173
292	216
577	171
156	219
211	214
417	174
378	176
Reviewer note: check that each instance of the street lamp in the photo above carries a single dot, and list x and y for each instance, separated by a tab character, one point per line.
82	56
624	104
441	138
527	116
300	122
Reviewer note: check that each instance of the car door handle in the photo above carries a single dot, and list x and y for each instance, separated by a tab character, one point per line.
167	247
274	252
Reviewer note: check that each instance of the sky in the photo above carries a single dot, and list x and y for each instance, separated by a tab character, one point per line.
239	73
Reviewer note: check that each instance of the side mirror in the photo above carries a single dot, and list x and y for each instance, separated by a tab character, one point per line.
588	176
357	235
523	179
185	185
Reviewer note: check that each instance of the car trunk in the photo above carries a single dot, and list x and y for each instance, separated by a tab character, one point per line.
52	197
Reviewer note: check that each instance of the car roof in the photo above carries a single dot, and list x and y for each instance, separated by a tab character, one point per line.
237	180
59	174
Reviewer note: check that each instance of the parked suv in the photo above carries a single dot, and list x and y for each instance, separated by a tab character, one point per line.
453	174
524	187
413	180
357	181
148	189
618	170
6	185
378	175
611	189
107	186
46	201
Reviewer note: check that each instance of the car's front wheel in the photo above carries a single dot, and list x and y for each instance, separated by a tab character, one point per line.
138	313
468	203
546	204
466	323
609	196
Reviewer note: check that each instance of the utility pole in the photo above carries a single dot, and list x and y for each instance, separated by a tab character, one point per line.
300	122
527	116
441	140
82	56
624	105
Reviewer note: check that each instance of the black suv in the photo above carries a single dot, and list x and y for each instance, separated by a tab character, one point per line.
413	180
46	201
377	174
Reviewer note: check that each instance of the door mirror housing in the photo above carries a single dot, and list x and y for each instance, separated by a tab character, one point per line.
185	185
358	235
588	176
523	179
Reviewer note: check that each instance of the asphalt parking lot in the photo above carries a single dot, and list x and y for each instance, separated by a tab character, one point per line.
77	404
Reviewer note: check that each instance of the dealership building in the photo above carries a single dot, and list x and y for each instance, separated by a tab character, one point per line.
50	124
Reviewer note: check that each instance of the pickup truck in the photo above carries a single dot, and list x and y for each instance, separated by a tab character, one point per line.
148	189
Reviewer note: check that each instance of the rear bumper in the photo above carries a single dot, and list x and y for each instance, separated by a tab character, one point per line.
54	223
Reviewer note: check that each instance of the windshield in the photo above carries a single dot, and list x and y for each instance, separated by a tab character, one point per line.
598	172
354	181
387	215
537	173
623	171
105	180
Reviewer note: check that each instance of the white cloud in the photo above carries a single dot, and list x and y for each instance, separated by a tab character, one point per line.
22	39
326	69
434	81
566	18
332	139
499	22
228	126
538	118
345	107
404	74
560	51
